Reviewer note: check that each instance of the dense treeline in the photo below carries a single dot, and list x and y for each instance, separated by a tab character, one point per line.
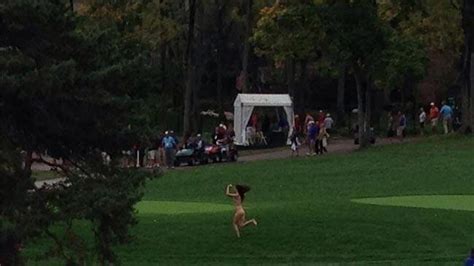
205	52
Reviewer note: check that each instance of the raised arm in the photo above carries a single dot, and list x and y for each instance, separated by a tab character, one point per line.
228	193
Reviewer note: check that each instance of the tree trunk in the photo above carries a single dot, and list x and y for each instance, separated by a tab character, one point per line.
386	96
468	121
28	162
301	91
190	69
468	78
368	110
402	97
199	71
219	53
340	95
468	68
163	58
361	122
219	85
196	121
246	52
290	77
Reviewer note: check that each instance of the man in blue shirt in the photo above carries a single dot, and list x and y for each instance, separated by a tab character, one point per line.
470	260
169	144
447	116
402	124
313	131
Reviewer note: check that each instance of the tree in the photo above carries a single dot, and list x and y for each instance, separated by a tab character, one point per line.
246	50
466	77
289	33
66	82
190	69
403	65
437	25
356	36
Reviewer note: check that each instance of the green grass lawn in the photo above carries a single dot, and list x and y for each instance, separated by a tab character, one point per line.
305	210
45	175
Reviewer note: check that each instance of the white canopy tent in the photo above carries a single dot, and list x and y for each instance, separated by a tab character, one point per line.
243	108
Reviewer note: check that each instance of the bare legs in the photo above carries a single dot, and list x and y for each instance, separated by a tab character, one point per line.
239	222
251	221
237	231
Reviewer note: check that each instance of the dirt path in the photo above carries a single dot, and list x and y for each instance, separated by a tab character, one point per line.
336	146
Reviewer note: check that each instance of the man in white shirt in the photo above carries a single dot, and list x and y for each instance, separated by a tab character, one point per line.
328	123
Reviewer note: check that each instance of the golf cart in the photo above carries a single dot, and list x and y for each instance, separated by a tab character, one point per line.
192	153
222	150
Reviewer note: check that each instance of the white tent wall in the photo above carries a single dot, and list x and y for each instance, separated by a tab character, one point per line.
242	116
238	124
246	114
290	115
244	105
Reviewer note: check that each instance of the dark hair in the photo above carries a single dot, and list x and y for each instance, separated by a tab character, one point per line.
242	189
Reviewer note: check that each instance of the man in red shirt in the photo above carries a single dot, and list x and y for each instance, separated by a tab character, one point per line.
321	117
434	116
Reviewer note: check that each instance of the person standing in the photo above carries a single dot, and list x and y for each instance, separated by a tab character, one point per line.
422	120
295	143
390	132
321	117
322	141
298	127
402	124
254	120
447	116
308	119
328	123
169	145
434	116
312	134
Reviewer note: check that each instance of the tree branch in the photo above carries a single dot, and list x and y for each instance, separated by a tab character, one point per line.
58	244
50	164
455	4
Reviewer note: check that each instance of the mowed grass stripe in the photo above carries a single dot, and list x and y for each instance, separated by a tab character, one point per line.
446	202
177	207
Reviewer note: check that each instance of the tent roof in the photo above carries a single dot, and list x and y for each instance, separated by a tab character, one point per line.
263	100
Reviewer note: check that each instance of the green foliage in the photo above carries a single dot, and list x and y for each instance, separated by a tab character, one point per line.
437	26
62	85
404	59
67	82
152	32
289	32
354	32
